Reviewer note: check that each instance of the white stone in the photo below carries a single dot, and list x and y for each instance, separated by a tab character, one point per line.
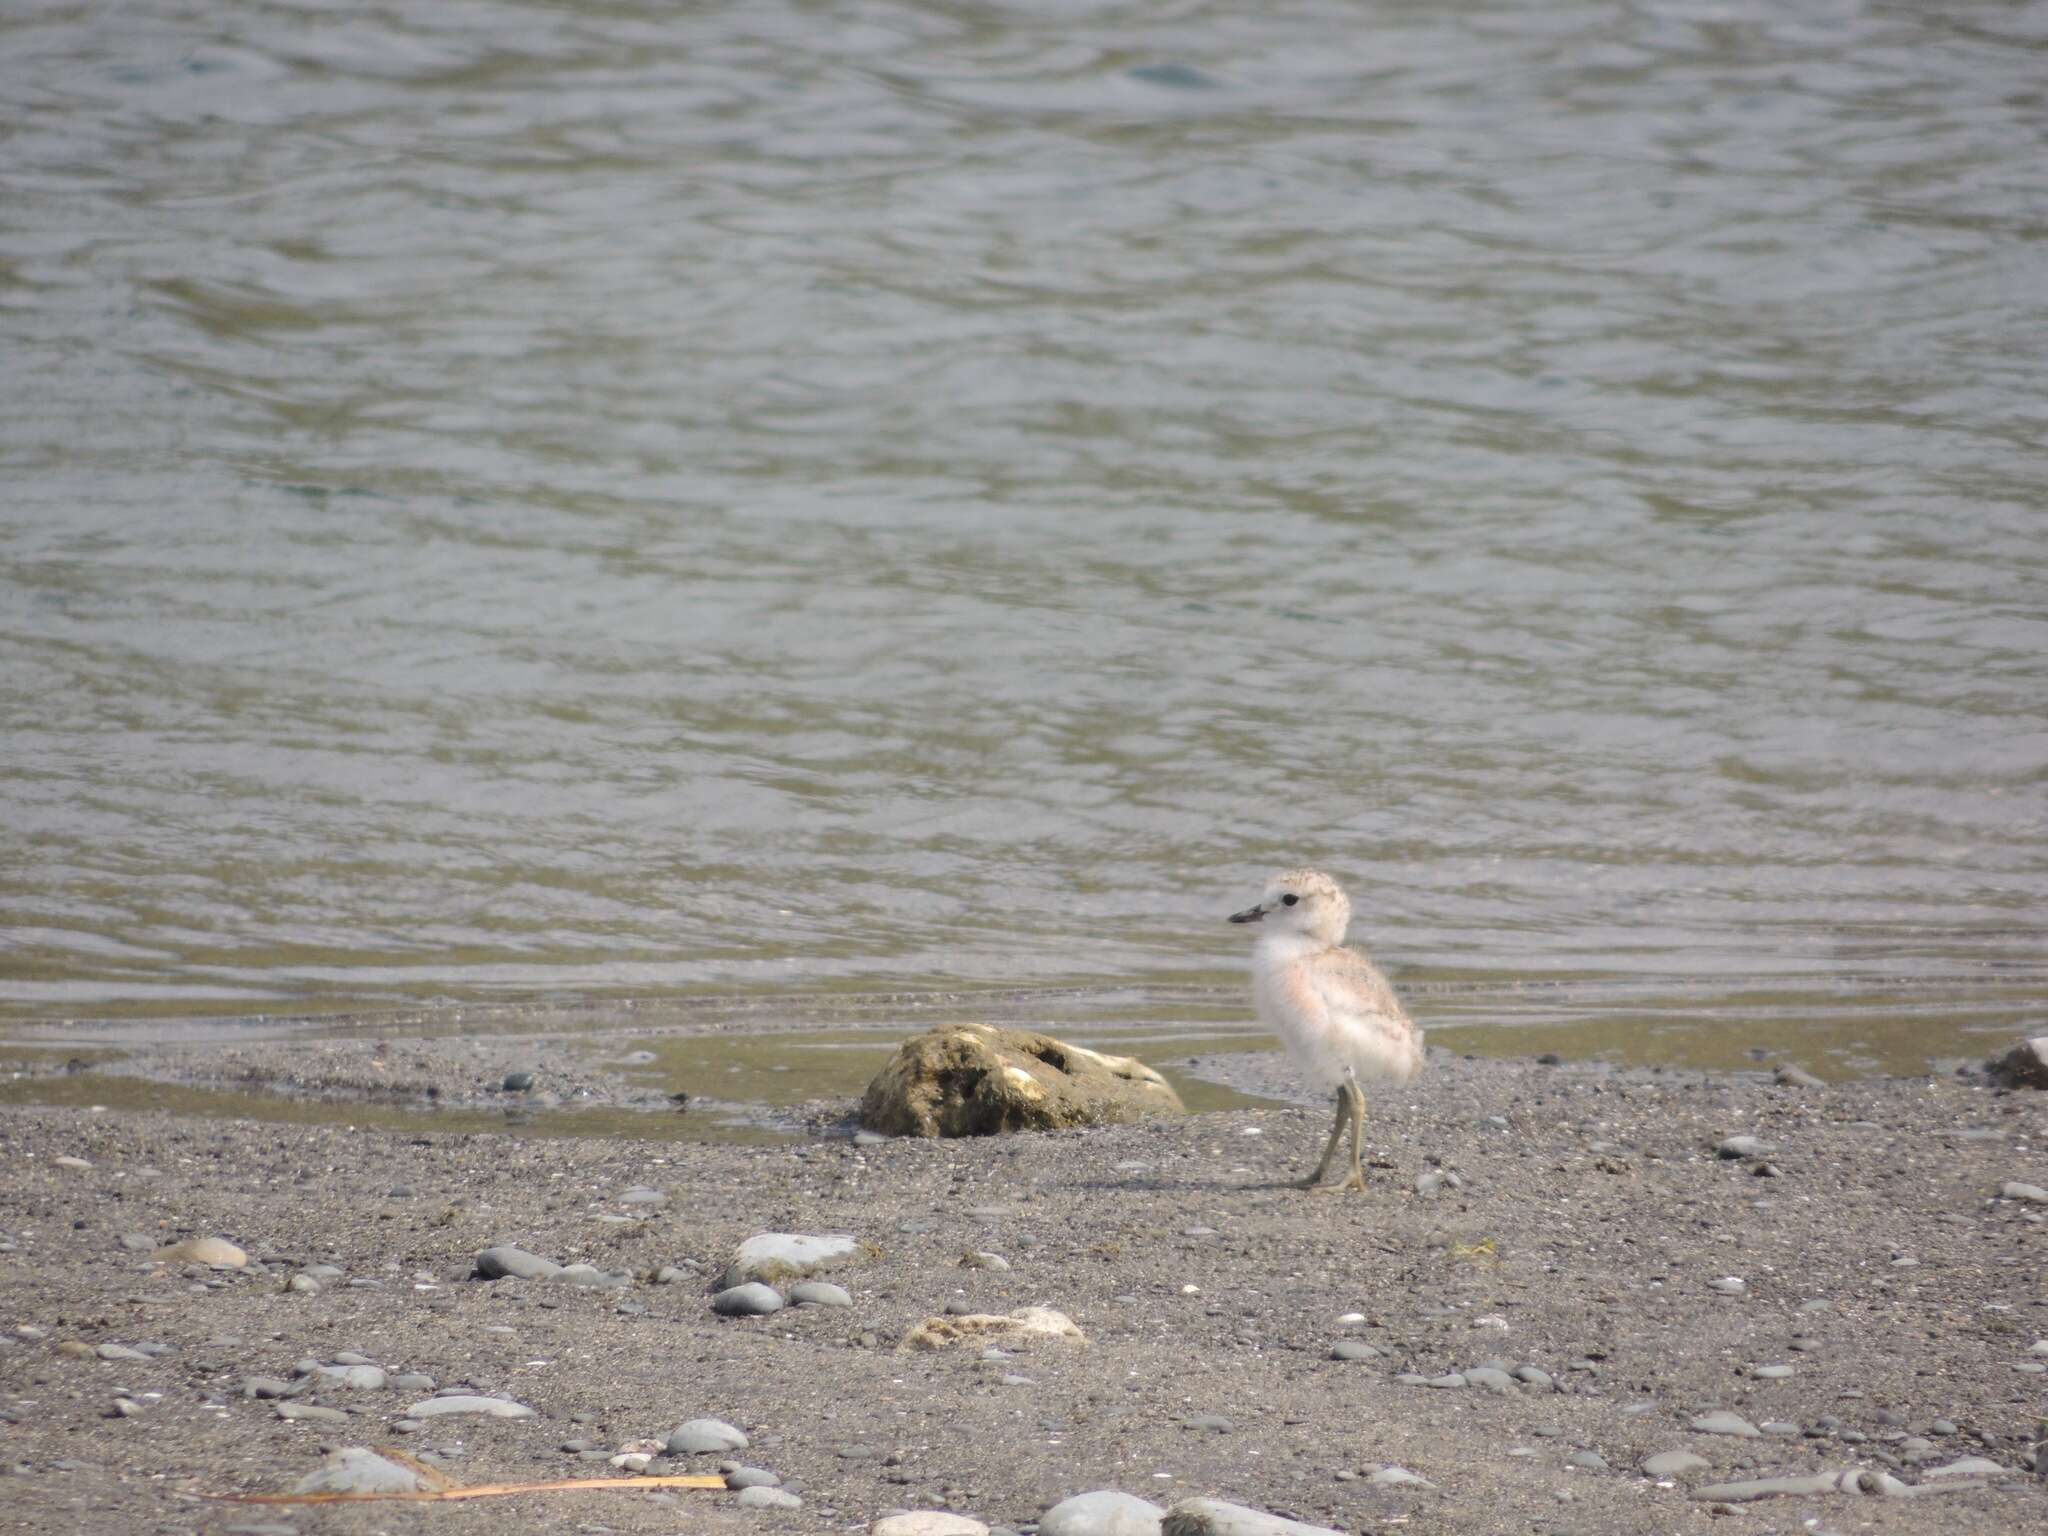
1105	1512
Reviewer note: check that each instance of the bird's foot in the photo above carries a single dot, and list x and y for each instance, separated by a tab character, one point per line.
1317	1186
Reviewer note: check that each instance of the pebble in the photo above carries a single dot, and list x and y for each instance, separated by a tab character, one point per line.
1728	1285
1351	1349
644	1194
749	1300
1968	1466
1535	1376
1796	1077
1780	1427
778	1256
1734	1148
767	1498
266	1386
751	1477
818	1293
981	1259
70	1162
124	1408
1450	1379
1492	1378
119	1352
1214	1421
2033	1194
1436	1181
355	1469
412	1381
304	1285
1772	1372
702	1436
1104	1512
504	1260
466	1402
1673	1464
518	1082
939	1522
1591	1461
1722	1422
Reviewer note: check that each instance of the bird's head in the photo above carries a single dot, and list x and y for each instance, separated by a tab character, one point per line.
1304	901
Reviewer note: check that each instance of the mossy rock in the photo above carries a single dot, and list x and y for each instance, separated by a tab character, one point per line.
977	1080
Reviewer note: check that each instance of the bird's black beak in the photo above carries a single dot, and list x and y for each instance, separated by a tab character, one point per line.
1248	915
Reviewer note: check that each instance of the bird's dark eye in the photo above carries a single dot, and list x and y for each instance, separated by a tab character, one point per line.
1289	899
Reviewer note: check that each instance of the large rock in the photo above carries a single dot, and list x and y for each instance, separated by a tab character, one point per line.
976	1080
2025	1065
1213	1517
1105	1512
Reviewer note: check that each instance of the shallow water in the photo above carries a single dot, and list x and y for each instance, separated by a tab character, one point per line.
530	502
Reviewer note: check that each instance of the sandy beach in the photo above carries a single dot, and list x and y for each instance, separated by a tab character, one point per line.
1554	1277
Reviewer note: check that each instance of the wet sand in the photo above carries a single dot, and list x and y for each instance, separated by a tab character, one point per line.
1588	1225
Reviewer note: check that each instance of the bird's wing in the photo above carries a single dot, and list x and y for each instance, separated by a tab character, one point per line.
1366	1027
1351	986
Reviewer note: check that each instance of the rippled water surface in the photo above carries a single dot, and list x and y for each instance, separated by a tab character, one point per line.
533	501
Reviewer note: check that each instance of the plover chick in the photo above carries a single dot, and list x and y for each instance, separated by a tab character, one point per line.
1330	1006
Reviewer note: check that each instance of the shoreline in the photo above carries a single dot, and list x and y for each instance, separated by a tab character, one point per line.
1576	1222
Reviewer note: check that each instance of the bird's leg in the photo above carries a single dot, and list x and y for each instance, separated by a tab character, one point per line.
1315	1179
1351	1116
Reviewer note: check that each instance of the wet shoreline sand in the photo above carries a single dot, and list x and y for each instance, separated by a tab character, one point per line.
1589	1231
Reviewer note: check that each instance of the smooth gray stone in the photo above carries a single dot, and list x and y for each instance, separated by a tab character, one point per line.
2033	1194
642	1194
1214	1517
1214	1421
779	1256
1722	1422
1783	1427
354	1469
266	1386
1451	1379
119	1352
518	1082
290	1410
701	1436
1789	1076
138	1242
767	1498
505	1260
818	1293
1491	1378
1673	1464
1969	1466
1734	1147
1592	1461
413	1381
751	1477
1772	1372
1535	1375
1104	1512
1351	1349
1767	1488
981	1258
750	1300
466	1402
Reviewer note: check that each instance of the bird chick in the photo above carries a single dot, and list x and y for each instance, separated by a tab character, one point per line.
1330	1006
